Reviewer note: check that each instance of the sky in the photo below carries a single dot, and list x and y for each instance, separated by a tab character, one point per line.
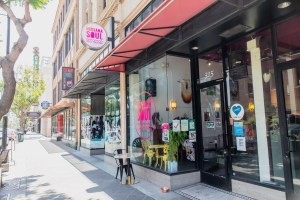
39	32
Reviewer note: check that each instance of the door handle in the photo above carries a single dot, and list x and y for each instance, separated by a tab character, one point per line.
288	146
225	152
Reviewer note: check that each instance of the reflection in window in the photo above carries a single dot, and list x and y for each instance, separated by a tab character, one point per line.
159	103
257	153
112	117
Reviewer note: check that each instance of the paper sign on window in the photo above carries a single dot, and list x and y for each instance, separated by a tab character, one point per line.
176	125
240	143
192	125
165	132
238	129
192	136
184	125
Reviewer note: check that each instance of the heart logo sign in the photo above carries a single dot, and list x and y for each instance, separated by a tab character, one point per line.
237	111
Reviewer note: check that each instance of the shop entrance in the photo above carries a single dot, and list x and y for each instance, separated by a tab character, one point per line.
290	94
214	138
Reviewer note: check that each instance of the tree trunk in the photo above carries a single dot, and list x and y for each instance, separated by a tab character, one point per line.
9	86
7	63
21	122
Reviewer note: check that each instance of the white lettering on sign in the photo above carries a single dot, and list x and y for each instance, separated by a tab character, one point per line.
209	75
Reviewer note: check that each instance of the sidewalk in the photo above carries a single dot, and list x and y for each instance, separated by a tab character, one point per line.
49	170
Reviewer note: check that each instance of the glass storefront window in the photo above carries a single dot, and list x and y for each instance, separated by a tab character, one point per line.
92	126
112	117
256	153
54	130
159	107
211	66
69	122
288	40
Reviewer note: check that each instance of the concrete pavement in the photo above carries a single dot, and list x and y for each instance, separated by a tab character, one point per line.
46	169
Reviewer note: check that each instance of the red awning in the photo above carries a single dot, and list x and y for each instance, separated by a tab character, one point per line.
166	18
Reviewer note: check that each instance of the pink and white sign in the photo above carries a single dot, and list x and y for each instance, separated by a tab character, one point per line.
165	132
143	119
93	36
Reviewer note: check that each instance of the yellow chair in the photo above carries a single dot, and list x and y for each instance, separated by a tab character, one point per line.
164	157
147	152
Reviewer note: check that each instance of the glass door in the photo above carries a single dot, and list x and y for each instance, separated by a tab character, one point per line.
290	75
214	163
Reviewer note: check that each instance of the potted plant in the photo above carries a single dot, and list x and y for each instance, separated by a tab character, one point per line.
175	140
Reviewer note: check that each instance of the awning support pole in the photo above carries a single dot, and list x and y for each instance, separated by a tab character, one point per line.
123	110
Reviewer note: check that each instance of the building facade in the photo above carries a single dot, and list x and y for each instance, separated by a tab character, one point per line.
195	91
46	71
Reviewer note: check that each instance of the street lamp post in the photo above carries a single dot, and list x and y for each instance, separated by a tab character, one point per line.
7	33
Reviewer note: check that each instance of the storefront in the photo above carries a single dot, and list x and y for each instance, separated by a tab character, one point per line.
225	85
92	91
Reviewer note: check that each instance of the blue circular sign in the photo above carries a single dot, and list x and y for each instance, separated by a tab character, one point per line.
45	104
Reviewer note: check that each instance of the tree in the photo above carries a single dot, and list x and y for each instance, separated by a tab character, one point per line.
30	86
7	62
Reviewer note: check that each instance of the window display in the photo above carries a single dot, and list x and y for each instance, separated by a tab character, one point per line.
160	107
92	127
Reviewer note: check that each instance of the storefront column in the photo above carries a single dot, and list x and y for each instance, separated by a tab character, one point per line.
260	114
123	109
78	121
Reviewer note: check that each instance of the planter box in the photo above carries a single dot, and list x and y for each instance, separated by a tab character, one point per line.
172	166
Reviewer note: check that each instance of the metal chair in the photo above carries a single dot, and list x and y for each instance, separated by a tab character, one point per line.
121	165
147	152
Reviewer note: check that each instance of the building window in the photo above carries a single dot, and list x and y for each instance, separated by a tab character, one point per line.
159	100
143	15
104	4
54	96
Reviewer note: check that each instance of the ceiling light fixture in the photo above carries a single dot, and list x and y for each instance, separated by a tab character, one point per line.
195	48
284	4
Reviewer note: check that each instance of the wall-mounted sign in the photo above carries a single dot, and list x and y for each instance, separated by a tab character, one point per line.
36	58
67	77
33	114
237	111
45	104
93	36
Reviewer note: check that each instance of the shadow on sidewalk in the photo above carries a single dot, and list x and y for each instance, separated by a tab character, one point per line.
25	188
105	182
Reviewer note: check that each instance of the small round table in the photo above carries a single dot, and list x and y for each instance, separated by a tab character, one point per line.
127	156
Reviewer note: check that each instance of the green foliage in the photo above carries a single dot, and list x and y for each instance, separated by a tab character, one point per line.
36	4
175	140
30	86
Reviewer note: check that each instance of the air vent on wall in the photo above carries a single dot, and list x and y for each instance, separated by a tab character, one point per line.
234	31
